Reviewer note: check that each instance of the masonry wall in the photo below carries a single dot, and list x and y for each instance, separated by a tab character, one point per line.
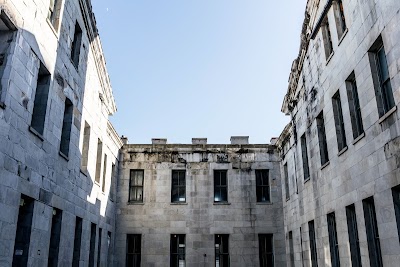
199	218
369	165
30	162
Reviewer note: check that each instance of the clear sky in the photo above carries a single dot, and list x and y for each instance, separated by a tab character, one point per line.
199	68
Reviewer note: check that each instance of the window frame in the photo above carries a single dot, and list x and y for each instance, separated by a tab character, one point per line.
130	198
354	241
333	240
266	257
65	140
371	228
179	187
221	240
219	187
313	243
354	106
327	38
136	253
263	186
177	254
322	142
340	19
339	121
304	156
286	177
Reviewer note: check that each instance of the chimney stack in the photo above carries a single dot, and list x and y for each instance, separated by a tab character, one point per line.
159	141
239	140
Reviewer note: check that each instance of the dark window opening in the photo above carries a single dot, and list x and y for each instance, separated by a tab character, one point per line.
109	249
54	13
354	106
136	186
77	242
339	122
7	41
177	257
333	240
99	248
178	188
23	234
326	34
371	227
55	238
396	202
266	250
262	186
92	244
353	236
222	250
85	147
381	78
339	18
286	176
133	250
112	183
291	249
41	99
98	160
313	244
66	127
103	185
323	146
220	186
76	45
304	156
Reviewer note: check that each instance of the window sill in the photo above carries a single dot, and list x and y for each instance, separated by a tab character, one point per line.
343	35
324	166
329	58
387	114
2	105
178	203
32	130
221	203
52	28
361	136
264	203
342	151
63	155
84	171
134	203
307	179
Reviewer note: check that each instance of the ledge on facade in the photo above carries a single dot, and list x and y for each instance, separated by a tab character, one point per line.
38	135
63	155
178	203
387	114
361	136
264	203
324	166
221	203
135	203
342	151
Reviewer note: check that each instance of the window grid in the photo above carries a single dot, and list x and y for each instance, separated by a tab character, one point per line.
262	186
327	38
333	240
304	155
371	226
313	244
178	189
339	122
136	186
396	202
340	18
266	250
291	249
286	174
220	186
353	236
323	146
133	250
354	106
178	247
66	127
222	250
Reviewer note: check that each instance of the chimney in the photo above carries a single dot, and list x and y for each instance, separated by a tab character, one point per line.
124	140
199	141
159	141
274	140
239	140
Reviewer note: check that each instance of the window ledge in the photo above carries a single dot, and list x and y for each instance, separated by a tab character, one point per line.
343	35
221	203
387	114
342	151
326	164
2	105
32	130
63	155
361	136
178	203
84	171
134	203
52	27
307	179
264	203
329	58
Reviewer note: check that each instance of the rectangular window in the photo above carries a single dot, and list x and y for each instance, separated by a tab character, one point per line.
133	250
353	236
323	146
177	251
54	13
339	18
77	242
112	183
23	233
98	160
136	186
333	240
76	45
103	185
7	41
339	122
291	249
178	188
396	202
266	250
66	127
304	156
354	106
381	78
313	244
326	36
262	186
92	244
99	248
222	250
371	227
286	176
220	186
109	249
85	147
55	238
41	99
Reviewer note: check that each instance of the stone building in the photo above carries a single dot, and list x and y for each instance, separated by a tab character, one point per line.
199	205
340	153
58	151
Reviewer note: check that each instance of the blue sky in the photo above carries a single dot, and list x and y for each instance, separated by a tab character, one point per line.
199	68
